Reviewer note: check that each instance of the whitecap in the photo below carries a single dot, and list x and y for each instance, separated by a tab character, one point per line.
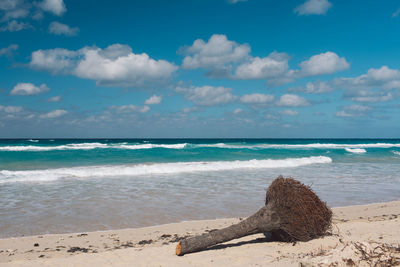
301	146
89	146
356	150
109	171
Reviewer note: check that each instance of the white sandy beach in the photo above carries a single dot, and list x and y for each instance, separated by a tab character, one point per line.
361	236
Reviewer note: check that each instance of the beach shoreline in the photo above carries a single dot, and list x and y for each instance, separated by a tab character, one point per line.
354	227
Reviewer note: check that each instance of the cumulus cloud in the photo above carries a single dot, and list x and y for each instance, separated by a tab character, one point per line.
324	63
377	85
62	29
224	58
289	112
289	100
28	89
17	15
216	54
56	60
153	100
54	99
256	99
313	7
56	7
11	109
130	109
316	87
15	26
276	64
353	111
115	65
208	95
383	77
53	114
8	51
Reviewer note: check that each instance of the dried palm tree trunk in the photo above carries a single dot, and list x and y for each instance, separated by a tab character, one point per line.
292	212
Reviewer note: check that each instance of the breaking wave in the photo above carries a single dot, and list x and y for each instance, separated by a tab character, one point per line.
302	146
356	150
108	171
89	146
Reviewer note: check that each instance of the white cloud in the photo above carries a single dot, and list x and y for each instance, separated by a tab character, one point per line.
215	53
289	112
12	12
208	95
377	85
28	89
62	29
153	100
130	108
56	7
256	98
271	117
276	64
54	99
8	51
373	97
55	60
15	14
343	113
317	87
383	77
290	100
115	65
11	109
358	108
353	111
313	7
228	59
15	26
189	110
54	114
324	63
8	4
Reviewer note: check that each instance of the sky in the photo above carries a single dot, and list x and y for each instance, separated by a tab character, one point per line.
199	69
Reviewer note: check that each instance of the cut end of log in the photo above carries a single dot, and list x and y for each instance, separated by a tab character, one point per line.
179	249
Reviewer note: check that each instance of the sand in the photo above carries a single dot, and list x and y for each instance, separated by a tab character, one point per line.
361	236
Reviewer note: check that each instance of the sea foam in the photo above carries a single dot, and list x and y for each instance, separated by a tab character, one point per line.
109	171
302	146
90	146
353	148
356	150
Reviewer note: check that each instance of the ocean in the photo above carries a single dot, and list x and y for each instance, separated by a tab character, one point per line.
78	185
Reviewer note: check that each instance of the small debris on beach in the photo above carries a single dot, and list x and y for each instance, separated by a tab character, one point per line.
127	244
145	242
75	249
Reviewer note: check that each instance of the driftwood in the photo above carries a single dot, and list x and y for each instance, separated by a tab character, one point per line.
292	212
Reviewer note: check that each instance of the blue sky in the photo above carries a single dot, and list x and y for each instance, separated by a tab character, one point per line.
199	68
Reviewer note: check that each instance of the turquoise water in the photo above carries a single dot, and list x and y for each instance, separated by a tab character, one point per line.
71	185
